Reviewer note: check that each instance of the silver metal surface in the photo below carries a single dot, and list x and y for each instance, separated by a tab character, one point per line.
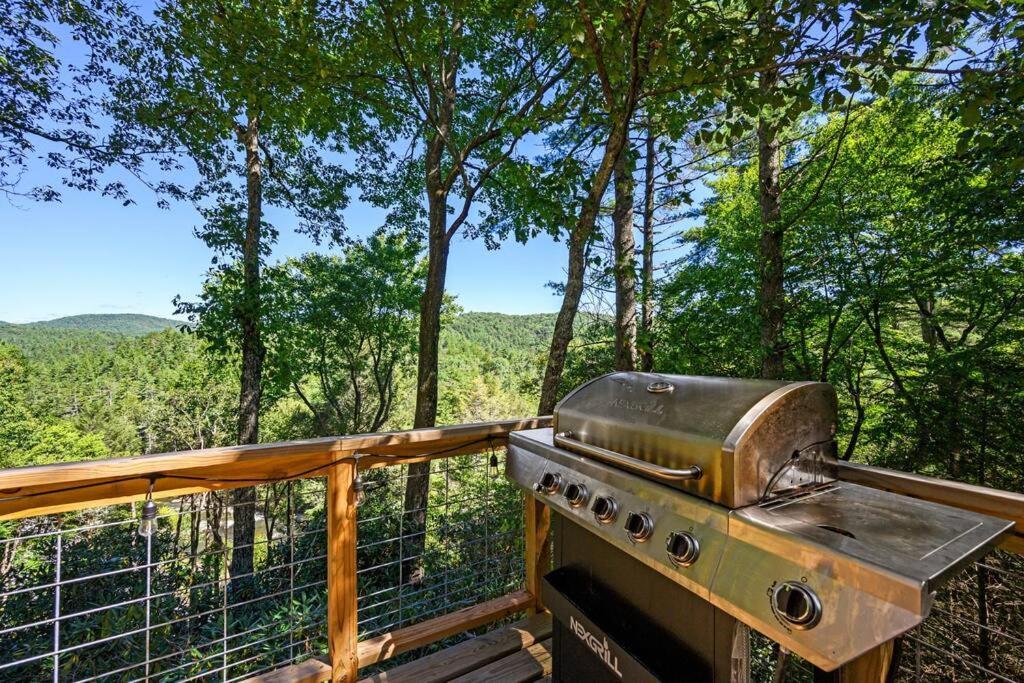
641	467
532	453
741	433
871	559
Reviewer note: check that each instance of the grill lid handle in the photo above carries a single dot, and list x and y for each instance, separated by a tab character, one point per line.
641	467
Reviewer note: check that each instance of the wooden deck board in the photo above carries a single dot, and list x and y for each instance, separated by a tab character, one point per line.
530	664
470	655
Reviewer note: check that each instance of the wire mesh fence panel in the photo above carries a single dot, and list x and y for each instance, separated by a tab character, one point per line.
975	632
85	597
976	628
467	550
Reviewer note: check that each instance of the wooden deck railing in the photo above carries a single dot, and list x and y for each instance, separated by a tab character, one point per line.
34	491
67	487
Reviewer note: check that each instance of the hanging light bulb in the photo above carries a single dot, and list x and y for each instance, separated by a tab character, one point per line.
492	466
147	523
358	490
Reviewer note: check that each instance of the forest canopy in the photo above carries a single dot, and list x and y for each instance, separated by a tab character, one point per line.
780	189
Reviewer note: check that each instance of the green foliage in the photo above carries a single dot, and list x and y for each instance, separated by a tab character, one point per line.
345	329
903	289
28	440
49	100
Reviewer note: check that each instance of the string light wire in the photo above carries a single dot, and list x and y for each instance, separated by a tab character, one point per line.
253	480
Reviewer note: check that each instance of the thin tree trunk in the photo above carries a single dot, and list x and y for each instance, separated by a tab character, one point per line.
563	332
243	500
417	487
578	239
771	296
625	263
646	333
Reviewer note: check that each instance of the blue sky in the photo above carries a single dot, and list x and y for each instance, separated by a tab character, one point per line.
89	254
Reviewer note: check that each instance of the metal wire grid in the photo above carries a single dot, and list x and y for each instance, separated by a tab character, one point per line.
976	628
975	632
84	598
472	543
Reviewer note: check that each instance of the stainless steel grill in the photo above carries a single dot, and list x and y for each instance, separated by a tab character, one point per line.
769	536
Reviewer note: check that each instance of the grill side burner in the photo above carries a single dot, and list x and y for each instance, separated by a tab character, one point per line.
726	440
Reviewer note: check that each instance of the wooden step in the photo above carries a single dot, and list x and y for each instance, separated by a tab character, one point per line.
467	656
530	664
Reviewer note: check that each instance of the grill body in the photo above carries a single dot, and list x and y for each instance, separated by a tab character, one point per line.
715	517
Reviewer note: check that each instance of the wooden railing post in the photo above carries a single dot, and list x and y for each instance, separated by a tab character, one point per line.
538	547
342	633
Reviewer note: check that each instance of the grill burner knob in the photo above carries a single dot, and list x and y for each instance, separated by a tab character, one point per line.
797	605
639	526
576	495
683	548
605	508
551	483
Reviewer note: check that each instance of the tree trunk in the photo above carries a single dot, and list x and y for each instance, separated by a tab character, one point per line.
646	333
243	500
563	332
771	296
625	263
417	487
578	239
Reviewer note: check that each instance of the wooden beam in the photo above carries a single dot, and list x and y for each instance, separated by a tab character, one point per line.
65	487
538	546
871	667
309	671
469	655
395	643
342	632
1003	504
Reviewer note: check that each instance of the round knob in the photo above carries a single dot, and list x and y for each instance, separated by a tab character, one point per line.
576	495
797	605
639	526
551	483
683	548
605	508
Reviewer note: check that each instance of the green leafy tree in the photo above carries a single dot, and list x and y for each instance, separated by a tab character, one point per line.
904	284
223	84
26	439
463	84
348	329
52	102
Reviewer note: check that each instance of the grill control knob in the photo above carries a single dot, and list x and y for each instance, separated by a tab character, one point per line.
797	605
551	483
639	526
683	548
605	509
576	495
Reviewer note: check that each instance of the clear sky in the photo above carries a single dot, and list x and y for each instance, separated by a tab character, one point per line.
89	254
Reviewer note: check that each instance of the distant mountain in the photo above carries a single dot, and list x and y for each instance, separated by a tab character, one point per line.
64	335
131	324
488	334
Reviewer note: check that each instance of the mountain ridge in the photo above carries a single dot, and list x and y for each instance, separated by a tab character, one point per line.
124	323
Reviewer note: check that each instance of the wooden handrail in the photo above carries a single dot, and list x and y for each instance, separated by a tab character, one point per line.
65	487
32	491
1003	504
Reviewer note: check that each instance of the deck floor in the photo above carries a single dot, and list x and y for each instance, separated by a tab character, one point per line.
516	653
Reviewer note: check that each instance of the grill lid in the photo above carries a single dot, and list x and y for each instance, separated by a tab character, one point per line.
732	441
